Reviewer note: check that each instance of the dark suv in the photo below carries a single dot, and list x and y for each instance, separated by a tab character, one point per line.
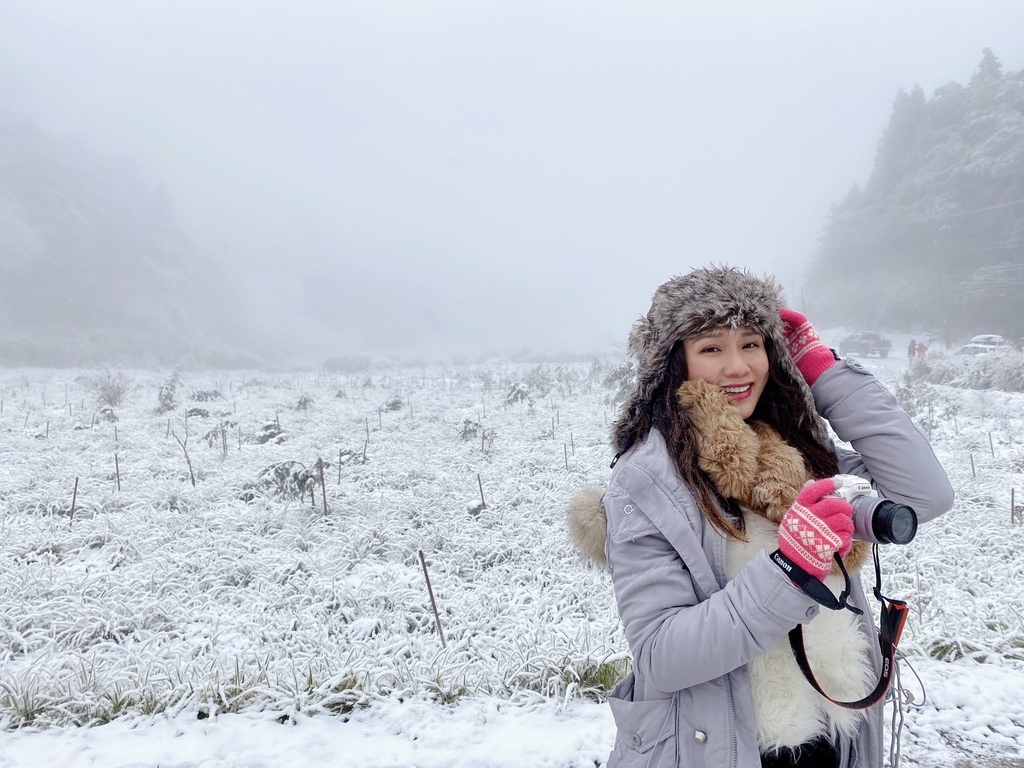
864	344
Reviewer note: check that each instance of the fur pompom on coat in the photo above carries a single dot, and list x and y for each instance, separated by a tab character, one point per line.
588	525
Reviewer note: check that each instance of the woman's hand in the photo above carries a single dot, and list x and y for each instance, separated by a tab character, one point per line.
816	527
811	356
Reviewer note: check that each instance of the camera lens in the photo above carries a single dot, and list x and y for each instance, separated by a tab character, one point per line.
894	523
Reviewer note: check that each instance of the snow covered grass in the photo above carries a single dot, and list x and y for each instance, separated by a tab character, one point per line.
126	591
241	593
986	371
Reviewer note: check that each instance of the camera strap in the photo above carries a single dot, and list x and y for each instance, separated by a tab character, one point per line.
892	618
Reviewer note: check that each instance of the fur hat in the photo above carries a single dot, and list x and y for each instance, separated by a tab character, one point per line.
690	304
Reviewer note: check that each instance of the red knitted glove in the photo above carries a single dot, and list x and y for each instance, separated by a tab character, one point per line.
811	356
815	527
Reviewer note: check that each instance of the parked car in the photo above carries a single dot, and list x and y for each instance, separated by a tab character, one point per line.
986	344
866	343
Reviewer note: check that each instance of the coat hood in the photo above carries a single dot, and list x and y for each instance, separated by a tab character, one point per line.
688	305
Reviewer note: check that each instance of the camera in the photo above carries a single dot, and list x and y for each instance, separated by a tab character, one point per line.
875	518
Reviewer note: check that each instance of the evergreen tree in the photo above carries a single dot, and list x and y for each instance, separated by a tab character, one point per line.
935	241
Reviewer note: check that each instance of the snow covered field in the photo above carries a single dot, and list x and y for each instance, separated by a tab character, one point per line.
177	586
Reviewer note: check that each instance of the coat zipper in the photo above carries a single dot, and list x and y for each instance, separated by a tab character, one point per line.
728	678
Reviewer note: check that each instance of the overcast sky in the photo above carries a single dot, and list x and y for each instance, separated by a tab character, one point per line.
484	175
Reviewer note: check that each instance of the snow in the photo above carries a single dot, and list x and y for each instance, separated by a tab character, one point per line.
272	634
973	712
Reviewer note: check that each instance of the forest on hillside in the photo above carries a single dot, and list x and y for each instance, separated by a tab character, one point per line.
95	265
934	242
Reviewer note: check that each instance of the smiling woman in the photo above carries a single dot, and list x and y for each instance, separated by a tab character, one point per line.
733	359
722	457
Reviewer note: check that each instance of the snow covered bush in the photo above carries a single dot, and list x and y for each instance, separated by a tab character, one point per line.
168	394
109	388
991	371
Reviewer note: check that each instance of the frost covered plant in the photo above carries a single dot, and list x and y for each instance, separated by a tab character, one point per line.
269	432
992	371
205	395
518	393
167	396
620	381
109	388
1008	373
923	402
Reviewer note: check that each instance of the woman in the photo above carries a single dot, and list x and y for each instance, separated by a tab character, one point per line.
716	448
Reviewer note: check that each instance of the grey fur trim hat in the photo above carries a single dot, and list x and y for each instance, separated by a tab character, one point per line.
684	307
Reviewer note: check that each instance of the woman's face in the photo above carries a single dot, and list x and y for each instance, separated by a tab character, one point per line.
734	359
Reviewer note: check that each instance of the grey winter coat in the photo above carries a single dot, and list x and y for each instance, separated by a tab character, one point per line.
691	631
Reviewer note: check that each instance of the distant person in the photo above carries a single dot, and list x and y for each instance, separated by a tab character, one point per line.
912	350
708	528
922	350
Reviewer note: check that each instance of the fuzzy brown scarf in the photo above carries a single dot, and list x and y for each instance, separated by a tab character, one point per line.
750	463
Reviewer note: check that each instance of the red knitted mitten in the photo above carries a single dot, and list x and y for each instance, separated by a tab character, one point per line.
815	527
811	356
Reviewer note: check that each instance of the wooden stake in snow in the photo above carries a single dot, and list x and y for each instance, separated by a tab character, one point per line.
117	470
480	483
565	450
323	485
991	445
74	499
433	603
974	475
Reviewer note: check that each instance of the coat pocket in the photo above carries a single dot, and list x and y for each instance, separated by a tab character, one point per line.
640	725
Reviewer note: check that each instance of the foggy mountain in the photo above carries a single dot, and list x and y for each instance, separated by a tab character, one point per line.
934	243
98	268
95	267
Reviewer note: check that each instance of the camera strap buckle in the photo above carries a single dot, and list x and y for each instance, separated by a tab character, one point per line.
892	618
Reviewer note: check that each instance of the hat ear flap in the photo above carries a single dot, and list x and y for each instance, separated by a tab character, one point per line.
641	337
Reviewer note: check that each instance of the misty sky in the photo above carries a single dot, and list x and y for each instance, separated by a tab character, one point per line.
484	175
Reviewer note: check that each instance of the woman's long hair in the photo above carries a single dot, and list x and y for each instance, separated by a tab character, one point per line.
781	406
